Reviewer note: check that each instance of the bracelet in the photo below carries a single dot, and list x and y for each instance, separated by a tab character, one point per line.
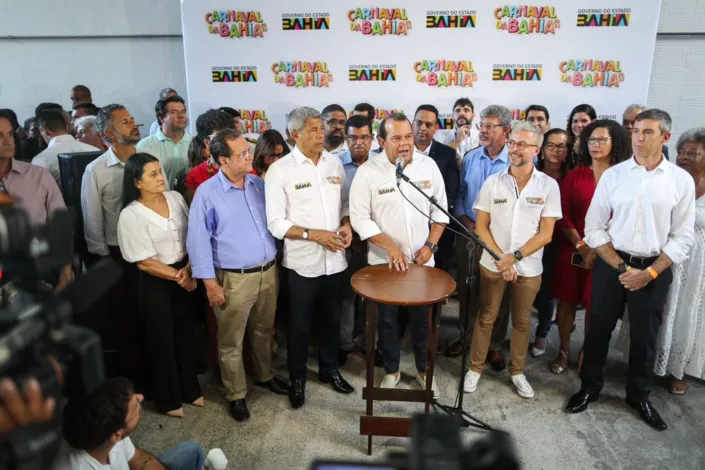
580	244
652	272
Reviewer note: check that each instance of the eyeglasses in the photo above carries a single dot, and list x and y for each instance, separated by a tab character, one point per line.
335	123
520	145
693	154
486	126
557	147
246	154
598	140
362	138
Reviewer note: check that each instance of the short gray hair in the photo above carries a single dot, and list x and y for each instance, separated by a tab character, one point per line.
519	126
298	117
633	107
166	91
664	119
696	135
90	123
497	111
104	120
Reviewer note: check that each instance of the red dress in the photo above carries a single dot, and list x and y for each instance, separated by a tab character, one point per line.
571	283
199	174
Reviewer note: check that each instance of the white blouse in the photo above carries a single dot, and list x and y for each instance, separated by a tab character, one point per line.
144	234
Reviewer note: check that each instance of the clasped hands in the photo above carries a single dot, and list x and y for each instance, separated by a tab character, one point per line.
635	279
183	278
505	265
332	241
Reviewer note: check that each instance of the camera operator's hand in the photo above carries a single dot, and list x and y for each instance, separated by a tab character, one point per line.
16	410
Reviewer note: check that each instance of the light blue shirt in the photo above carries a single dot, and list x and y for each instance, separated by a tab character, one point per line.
350	168
477	166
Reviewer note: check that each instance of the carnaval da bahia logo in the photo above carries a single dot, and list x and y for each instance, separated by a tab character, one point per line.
527	19
517	72
379	21
592	73
300	74
236	24
305	21
451	19
254	119
603	18
234	74
372	73
445	73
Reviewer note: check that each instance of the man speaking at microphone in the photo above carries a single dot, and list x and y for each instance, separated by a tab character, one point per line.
398	233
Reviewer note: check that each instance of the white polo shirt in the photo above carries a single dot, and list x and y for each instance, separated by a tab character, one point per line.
515	217
299	193
377	206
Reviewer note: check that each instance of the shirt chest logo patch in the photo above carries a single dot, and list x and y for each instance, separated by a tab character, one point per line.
424	184
535	201
384	191
298	186
334	179
500	201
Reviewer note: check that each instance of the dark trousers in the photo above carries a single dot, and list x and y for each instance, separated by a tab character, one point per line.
544	303
445	256
320	297
389	341
167	316
645	308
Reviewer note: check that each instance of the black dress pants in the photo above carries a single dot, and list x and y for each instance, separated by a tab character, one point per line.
389	337
319	298
167	315
645	309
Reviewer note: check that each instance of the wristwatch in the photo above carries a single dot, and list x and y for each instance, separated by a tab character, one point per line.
622	268
434	248
305	234
517	254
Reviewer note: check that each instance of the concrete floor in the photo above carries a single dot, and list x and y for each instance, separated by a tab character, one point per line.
607	436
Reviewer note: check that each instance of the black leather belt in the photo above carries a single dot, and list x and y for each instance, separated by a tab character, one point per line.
637	260
256	269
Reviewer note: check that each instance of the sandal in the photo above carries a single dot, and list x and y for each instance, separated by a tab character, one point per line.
678	387
556	366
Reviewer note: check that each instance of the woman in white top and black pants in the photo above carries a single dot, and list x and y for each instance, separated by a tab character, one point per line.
152	233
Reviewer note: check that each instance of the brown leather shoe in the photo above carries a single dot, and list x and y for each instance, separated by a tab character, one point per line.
496	360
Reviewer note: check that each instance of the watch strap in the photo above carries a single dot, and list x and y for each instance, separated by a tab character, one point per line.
433	247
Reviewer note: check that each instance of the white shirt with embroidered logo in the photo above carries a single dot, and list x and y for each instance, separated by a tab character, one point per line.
516	217
377	206
299	193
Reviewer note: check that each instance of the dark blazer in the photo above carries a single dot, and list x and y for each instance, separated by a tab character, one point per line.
445	158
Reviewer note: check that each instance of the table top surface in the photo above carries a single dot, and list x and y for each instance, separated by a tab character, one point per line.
420	285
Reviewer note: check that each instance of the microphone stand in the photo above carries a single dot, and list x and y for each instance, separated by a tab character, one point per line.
464	418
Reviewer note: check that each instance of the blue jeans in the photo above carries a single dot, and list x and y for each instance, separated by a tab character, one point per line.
187	455
544	303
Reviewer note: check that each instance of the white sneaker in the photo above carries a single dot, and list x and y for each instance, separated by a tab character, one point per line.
471	380
434	388
522	385
390	380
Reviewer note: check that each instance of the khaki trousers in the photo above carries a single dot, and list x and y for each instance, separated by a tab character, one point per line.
523	292
250	305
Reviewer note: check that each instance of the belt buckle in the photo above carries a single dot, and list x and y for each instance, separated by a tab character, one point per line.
636	259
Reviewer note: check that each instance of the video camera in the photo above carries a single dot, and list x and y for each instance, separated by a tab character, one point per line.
36	339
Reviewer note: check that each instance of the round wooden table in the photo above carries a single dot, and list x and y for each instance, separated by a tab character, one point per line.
418	286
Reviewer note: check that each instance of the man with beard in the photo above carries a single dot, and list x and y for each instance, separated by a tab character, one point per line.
171	141
334	119
463	138
425	125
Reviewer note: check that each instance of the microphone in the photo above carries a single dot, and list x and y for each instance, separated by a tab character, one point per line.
400	169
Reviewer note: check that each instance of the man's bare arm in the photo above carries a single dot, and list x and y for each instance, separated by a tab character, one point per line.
144	461
609	255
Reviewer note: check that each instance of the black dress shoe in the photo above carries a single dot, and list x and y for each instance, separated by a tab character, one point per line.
297	394
336	380
239	411
275	385
648	413
342	356
580	401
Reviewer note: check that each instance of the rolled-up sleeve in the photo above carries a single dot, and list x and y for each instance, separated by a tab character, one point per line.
439	192
483	201
361	207
93	219
682	234
198	238
599	214
275	197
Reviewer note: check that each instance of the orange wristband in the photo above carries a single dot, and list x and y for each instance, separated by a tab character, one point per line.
652	271
580	244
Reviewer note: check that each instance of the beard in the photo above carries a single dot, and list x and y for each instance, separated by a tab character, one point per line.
335	140
461	121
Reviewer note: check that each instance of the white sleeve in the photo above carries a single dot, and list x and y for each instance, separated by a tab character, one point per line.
552	204
599	214
682	233
128	448
275	198
133	238
92	210
439	192
484	199
361	207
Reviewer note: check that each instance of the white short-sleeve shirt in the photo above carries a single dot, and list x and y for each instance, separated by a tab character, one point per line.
119	456
516	217
377	206
144	234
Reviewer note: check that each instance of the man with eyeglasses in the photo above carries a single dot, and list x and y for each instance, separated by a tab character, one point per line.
171	141
641	220
538	116
232	251
516	212
492	157
463	137
334	119
307	207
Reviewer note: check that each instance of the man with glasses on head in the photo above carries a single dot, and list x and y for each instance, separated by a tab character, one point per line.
232	251
334	119
492	157
463	137
516	212
538	116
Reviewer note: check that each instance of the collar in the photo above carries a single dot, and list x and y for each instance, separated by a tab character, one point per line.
111	158
226	184
347	160
534	173
161	137
426	152
503	155
18	166
299	157
383	161
61	139
663	166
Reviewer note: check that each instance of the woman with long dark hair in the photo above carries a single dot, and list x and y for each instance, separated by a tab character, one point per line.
579	118
270	147
556	153
152	234
604	144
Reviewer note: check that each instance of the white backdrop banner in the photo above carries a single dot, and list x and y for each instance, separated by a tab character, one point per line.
265	58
